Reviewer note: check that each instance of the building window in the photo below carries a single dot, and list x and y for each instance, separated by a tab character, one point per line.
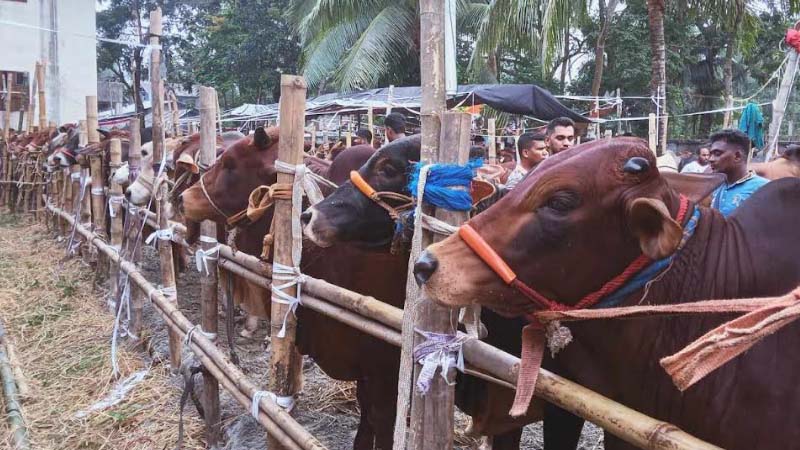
19	90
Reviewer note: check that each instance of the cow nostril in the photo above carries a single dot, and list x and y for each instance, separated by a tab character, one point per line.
305	218
425	267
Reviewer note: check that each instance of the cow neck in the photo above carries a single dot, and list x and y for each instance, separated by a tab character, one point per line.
638	272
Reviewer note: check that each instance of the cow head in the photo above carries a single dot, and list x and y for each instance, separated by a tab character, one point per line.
573	224
348	215
225	188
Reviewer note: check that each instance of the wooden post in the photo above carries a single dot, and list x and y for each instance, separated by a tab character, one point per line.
75	181
40	77
38	188
619	113
209	280
95	168
652	134
168	272
313	139
12	165
285	361
431	415
7	112
23	195
370	122
176	132
115	211
492	141
157	97
134	163
66	198
54	194
348	138
83	133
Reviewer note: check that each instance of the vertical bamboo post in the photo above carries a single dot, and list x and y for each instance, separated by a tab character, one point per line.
7	112
12	166
431	423
371	122
83	133
652	132
285	361
24	191
209	280
348	138
38	188
54	196
66	198
175	116
95	169
168	272
31	104
75	181
115	211
492	141
134	225
40	77
313	138
157	97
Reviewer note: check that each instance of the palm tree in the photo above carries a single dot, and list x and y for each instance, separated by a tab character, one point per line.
354	44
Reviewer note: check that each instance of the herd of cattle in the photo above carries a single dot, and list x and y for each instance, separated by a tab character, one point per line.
570	226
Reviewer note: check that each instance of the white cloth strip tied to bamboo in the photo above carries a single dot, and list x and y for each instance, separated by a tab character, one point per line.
290	276
201	257
164	235
115	199
439	350
284	401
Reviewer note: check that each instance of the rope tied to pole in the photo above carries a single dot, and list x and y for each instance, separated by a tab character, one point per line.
290	276
201	256
284	401
114	199
163	235
439	350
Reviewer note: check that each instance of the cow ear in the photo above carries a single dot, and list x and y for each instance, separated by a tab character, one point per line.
104	133
261	138
658	233
694	186
187	162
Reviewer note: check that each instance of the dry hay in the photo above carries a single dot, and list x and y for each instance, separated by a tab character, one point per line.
61	329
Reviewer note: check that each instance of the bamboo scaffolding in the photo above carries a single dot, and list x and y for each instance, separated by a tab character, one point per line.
278	423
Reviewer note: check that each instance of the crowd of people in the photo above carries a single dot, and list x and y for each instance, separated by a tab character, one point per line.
727	153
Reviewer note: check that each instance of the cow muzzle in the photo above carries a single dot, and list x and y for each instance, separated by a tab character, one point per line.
315	228
424	268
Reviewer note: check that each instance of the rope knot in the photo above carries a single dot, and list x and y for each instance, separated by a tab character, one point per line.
163	235
438	350
290	276
201	258
284	401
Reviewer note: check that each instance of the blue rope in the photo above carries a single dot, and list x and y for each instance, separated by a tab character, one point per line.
442	178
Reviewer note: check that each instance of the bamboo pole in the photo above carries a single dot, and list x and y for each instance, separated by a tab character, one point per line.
31	104
157	97
134	164
97	197
348	138
13	408
7	112
209	280
83	133
40	80
371	122
16	367
176	119
492	141
66	198
55	196
115	211
168	272
75	181
285	361
278	422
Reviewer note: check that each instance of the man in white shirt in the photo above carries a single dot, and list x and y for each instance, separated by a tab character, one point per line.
532	151
701	164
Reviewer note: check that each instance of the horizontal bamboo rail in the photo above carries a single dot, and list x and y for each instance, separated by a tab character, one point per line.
273	418
383	321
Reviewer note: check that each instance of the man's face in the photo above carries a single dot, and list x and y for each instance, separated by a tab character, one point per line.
390	135
703	156
725	157
560	139
536	153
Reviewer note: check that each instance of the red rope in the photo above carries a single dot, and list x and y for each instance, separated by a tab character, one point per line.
793	39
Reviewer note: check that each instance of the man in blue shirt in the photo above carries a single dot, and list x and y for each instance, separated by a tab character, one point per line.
729	150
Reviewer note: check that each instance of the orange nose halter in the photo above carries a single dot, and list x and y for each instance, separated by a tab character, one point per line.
361	184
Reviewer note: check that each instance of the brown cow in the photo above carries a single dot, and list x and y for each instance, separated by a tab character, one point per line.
584	216
338	349
785	165
349	216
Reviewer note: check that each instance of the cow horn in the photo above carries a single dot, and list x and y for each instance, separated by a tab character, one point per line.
637	164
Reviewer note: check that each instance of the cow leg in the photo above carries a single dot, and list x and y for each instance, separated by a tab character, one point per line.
365	436
562	429
507	441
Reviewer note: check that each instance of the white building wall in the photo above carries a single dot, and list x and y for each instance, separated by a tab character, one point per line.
70	52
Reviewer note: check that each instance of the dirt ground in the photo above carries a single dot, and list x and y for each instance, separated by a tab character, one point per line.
34	282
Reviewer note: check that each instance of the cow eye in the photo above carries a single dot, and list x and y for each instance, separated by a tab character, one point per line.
563	201
389	171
